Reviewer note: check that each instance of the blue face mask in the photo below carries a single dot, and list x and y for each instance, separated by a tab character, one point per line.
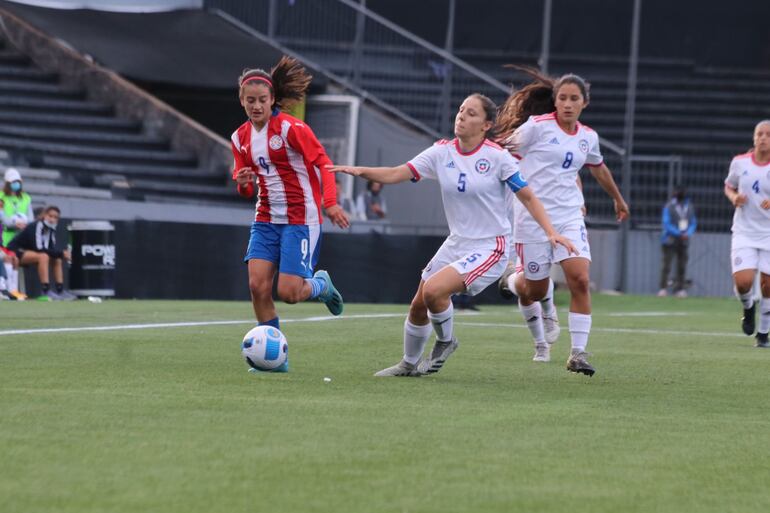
15	186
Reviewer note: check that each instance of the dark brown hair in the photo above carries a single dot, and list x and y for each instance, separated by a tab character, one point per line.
534	99
288	81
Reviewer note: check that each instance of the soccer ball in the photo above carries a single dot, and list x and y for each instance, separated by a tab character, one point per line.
265	348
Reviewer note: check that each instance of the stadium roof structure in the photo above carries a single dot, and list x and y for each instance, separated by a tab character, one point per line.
191	48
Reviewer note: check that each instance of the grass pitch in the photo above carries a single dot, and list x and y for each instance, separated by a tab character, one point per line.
166	419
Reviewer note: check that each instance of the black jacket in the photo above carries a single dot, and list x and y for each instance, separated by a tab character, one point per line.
36	237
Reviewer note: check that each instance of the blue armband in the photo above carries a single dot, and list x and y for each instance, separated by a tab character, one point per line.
516	182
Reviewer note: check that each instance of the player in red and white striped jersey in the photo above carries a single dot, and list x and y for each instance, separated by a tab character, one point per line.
747	186
554	146
477	178
279	156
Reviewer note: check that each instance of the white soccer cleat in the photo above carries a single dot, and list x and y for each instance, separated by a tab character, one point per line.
401	369
552	328
542	353
438	356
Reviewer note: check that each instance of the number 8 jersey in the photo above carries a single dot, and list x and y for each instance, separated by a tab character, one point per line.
550	161
751	223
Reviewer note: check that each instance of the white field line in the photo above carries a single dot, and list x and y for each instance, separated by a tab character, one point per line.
119	327
642	331
647	314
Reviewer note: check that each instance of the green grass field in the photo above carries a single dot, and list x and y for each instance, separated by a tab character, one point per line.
166	419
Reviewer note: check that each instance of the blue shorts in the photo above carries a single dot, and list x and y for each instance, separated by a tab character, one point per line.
293	247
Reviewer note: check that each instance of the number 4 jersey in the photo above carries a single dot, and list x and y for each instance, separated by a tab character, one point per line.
751	223
550	161
477	200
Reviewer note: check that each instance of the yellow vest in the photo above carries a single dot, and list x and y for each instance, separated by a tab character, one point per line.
12	205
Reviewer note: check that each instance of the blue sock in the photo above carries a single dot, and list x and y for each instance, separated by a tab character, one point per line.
274	322
317	287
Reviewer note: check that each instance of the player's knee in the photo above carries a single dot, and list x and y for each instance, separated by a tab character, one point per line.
580	283
259	288
743	286
432	295
290	294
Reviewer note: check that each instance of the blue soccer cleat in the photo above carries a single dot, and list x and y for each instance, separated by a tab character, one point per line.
331	296
284	367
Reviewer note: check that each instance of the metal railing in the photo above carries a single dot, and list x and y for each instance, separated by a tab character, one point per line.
373	57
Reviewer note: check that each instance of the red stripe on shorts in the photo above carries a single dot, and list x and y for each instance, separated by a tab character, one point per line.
495	257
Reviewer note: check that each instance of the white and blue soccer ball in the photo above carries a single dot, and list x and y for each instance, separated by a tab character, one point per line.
265	348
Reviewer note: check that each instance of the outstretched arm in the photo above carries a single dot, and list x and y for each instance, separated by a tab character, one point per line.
396	174
603	175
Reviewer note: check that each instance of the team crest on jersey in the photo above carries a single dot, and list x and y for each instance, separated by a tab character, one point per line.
583	145
738	260
276	143
533	267
483	166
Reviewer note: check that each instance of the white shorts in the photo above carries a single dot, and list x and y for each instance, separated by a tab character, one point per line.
481	262
536	258
750	258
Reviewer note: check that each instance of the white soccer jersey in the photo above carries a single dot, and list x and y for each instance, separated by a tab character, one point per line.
476	197
751	223
550	161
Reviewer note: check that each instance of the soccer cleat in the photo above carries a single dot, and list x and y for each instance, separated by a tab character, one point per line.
18	296
577	363
762	340
747	322
662	293
551	326
401	369
441	351
502	284
284	367
330	296
66	295
681	294
542	353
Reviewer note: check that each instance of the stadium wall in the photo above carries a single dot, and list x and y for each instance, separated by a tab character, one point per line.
164	260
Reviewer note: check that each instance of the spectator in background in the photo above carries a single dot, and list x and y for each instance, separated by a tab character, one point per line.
36	245
678	227
17	205
371	204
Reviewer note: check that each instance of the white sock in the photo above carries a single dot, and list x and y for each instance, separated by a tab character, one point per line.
533	315
512	282
547	301
3	284
747	299
764	315
415	338
13	277
579	328
442	323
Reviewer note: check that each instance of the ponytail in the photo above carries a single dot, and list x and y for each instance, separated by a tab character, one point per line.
287	81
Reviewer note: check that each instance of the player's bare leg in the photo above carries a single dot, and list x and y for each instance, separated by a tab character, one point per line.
261	274
577	273
744	289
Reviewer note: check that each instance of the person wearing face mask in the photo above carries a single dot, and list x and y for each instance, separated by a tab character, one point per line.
371	203
679	224
16	205
36	246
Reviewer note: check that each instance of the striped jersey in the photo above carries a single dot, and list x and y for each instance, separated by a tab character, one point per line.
291	175
550	161
751	178
473	186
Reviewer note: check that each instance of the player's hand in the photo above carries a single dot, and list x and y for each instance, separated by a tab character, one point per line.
739	200
584	210
245	175
765	204
622	211
338	216
67	255
348	170
557	238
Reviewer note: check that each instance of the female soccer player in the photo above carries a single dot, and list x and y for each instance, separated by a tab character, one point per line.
475	176
747	186
283	156
553	147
